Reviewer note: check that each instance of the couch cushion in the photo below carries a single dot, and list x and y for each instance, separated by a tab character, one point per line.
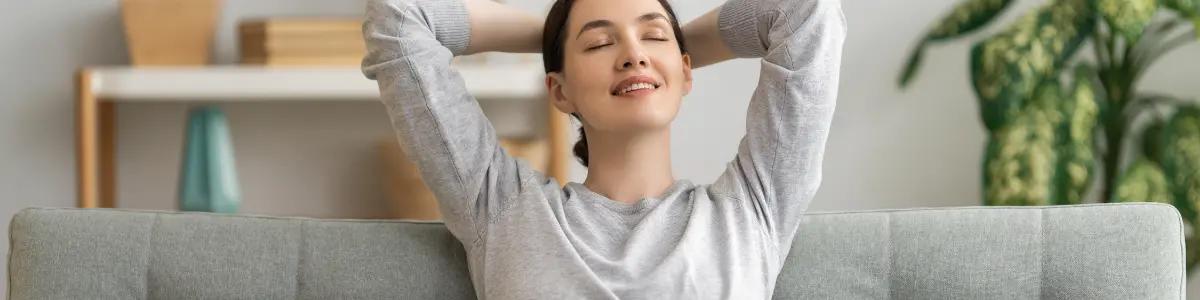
1097	251
1092	251
119	254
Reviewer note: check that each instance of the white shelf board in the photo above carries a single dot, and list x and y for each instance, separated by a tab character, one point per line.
258	83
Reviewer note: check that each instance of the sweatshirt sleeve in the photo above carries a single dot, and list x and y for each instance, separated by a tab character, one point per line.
439	125
778	163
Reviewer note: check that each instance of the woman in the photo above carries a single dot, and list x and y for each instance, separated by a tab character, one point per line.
622	67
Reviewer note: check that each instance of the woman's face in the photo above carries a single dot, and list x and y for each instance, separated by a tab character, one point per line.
622	67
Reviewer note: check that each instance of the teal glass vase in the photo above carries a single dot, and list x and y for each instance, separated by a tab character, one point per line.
208	179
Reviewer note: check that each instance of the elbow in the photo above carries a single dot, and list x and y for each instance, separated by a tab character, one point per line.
806	32
382	17
798	18
381	32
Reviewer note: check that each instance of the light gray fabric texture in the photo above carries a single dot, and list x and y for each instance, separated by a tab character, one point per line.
722	239
1098	251
115	254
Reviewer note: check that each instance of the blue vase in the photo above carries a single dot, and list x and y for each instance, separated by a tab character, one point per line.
208	177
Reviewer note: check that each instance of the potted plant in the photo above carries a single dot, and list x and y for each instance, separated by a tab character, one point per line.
1057	119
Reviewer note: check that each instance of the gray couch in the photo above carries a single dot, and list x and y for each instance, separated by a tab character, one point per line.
1107	251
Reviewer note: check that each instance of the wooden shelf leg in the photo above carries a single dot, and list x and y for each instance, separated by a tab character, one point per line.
95	126
107	154
85	142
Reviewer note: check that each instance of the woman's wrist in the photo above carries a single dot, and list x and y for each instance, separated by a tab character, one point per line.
704	42
496	27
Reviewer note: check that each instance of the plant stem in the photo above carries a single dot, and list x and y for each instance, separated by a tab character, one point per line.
1114	134
1118	86
1103	58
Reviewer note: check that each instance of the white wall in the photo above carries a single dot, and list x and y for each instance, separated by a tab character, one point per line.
888	149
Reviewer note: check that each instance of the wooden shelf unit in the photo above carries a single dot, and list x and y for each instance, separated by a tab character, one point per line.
101	88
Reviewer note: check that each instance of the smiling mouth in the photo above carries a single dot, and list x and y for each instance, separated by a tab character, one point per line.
640	86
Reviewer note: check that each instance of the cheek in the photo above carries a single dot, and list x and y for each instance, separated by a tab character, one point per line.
672	70
589	79
669	62
585	93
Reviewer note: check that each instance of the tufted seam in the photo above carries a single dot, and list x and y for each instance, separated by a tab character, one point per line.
890	255
150	254
299	260
1042	262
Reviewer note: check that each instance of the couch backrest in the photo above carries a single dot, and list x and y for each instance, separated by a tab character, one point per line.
112	254
1092	251
1111	251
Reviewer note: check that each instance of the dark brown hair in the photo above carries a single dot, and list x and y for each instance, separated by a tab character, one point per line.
553	35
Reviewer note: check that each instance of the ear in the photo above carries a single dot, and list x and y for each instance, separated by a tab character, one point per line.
558	97
687	73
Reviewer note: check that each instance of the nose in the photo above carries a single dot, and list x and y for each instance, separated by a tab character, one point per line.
629	63
633	57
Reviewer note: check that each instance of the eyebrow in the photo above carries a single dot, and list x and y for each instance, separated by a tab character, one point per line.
606	23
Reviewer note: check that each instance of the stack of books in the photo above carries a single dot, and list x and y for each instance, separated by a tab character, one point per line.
301	41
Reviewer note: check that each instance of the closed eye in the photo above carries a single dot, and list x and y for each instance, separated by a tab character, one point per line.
597	46
656	35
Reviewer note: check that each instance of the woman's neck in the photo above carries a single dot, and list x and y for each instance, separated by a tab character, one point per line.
628	168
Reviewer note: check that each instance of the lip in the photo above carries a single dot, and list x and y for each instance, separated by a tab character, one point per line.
632	80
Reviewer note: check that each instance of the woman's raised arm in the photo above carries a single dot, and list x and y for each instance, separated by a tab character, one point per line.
704	42
778	164
440	126
500	28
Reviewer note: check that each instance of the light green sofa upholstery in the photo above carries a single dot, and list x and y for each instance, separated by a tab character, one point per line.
1099	251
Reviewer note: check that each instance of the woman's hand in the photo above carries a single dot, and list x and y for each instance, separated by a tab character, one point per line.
704	41
497	27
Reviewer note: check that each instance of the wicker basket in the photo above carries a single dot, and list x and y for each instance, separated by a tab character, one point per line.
170	32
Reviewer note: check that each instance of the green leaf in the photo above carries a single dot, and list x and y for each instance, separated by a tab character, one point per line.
1127	17
1152	141
1143	181
1003	72
1181	158
1082	106
966	17
910	68
1076	147
1020	162
1007	67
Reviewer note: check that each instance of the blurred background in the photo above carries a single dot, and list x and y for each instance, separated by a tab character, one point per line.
889	148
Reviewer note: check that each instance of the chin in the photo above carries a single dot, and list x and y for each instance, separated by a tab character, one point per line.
649	119
649	113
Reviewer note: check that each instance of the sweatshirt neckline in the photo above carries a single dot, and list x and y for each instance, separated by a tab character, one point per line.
643	203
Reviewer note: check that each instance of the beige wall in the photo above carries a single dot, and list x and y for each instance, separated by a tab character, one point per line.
888	149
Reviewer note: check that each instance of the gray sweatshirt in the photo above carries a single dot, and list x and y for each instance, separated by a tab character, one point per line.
528	238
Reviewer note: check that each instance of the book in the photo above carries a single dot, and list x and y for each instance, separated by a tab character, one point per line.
300	25
301	41
303	46
316	60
